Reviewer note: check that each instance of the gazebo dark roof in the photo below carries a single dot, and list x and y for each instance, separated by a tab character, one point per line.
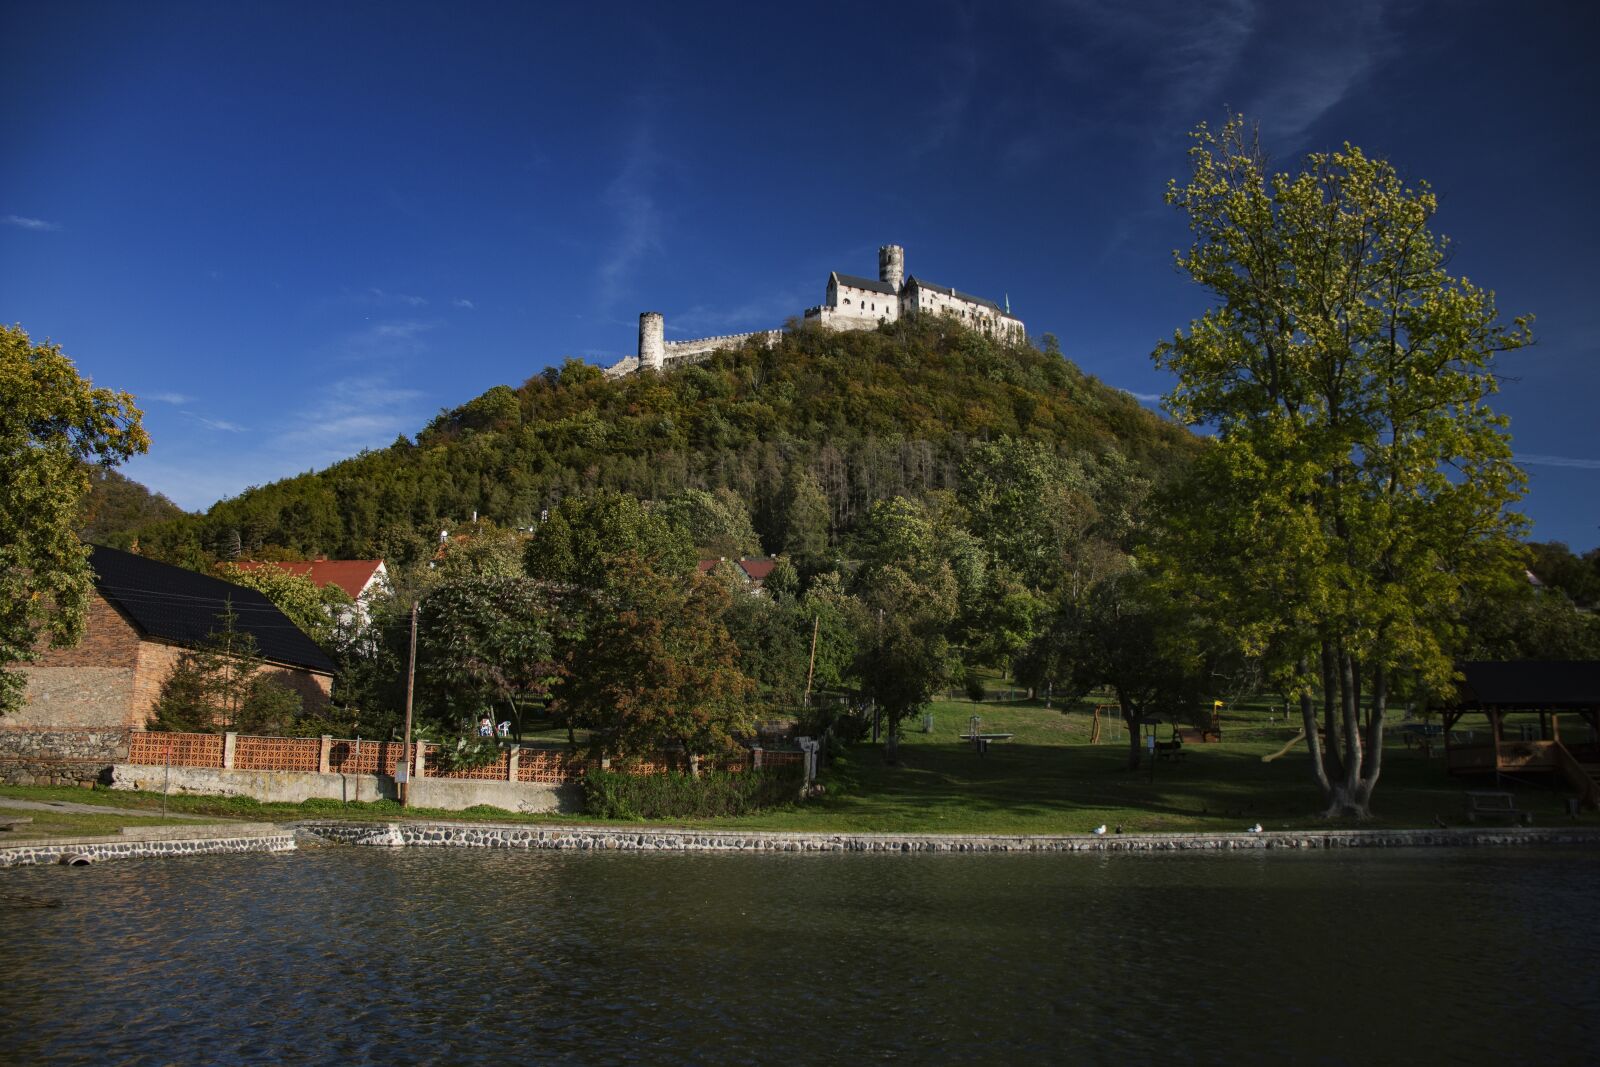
184	607
1531	684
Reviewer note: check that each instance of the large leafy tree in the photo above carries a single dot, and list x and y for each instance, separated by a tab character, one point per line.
1359	481
486	643
51	422
656	667
910	589
576	543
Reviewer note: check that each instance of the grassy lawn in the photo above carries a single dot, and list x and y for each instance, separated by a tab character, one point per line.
1046	780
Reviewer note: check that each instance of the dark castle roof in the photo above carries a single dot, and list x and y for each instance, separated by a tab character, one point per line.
871	284
1531	684
184	607
948	291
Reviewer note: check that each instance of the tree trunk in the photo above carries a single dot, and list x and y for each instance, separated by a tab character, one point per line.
891	744
1130	716
1332	761
1308	716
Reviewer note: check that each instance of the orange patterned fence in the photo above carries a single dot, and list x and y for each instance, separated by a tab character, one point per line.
277	754
364	757
342	756
180	750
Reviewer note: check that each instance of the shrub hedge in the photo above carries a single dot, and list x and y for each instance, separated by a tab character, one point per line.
612	795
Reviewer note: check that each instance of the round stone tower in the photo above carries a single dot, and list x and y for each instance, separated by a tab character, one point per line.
652	341
892	265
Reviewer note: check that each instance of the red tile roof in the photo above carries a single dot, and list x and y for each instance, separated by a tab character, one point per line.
758	569
351	575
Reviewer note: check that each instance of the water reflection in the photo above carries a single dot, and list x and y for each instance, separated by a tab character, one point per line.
369	956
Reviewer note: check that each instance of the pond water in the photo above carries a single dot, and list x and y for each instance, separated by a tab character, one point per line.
362	955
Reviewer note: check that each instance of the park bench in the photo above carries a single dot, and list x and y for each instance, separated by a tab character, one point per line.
1197	735
1503	805
13	823
1170	750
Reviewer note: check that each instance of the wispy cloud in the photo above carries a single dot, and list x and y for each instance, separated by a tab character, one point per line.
352	414
631	199
1329	51
216	424
22	222
960	62
463	302
168	398
383	298
1148	398
1558	461
1164	57
761	313
387	339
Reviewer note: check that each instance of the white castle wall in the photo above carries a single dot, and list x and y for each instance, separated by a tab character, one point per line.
847	307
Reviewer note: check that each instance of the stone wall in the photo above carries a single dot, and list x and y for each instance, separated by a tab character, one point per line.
700	348
60	757
634	839
293	787
89	684
206	840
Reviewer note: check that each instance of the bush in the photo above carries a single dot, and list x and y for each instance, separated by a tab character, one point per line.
614	795
974	686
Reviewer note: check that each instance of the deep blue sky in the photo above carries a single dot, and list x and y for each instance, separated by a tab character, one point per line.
297	231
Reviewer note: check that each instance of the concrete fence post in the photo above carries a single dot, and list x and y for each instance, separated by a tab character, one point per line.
605	763
513	763
323	764
230	745
421	769
755	758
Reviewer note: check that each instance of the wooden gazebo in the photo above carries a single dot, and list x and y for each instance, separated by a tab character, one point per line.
1549	689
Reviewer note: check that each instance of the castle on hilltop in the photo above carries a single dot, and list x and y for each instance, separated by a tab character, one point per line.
851	303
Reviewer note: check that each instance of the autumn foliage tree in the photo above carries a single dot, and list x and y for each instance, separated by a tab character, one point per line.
1359	481
656	667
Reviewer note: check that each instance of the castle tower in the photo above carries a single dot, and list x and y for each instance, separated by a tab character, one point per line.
652	340
892	265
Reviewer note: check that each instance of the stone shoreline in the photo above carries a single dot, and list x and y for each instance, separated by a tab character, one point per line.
156	842
633	839
151	842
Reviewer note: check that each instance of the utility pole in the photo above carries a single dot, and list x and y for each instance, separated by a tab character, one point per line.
411	679
812	669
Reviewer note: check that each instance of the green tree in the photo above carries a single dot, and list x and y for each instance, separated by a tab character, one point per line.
1125	634
586	530
52	422
1359	481
485	643
716	524
803	517
317	611
657	667
224	684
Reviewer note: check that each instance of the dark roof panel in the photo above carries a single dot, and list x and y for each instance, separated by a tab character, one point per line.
1531	684
184	607
871	284
948	290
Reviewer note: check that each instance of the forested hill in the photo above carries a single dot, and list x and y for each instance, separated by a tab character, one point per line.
868	414
117	506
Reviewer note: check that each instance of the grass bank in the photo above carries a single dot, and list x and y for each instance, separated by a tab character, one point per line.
1047	779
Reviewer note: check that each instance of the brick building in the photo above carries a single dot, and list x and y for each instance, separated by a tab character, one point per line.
143	615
